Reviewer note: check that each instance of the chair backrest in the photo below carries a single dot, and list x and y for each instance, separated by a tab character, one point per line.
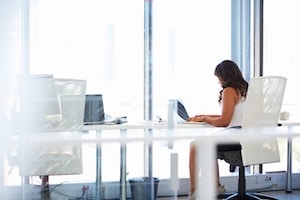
38	99
263	105
49	104
57	159
71	94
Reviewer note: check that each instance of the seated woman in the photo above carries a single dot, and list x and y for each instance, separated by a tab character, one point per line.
231	98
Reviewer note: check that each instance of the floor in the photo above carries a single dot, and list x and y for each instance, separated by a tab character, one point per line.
280	195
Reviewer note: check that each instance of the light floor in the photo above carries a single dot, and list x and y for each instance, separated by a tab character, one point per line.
280	195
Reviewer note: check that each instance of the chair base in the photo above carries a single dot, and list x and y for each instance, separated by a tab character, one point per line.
45	190
246	196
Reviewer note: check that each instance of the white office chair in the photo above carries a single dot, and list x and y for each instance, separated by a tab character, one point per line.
263	105
62	102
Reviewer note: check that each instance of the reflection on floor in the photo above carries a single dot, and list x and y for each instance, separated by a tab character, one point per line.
280	195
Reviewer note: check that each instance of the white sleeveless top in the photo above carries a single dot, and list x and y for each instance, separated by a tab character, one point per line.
237	116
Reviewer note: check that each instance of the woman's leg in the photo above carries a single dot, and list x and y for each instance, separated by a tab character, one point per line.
194	171
192	168
217	174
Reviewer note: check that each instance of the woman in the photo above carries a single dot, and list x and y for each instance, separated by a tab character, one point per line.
231	98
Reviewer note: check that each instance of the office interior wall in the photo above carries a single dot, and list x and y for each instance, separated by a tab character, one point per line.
183	59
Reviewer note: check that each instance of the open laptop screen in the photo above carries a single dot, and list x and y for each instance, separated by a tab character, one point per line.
181	111
94	110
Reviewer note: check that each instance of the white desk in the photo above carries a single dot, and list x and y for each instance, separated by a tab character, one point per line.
147	126
180	130
209	137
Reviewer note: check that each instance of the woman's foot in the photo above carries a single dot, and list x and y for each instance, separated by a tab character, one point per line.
221	189
192	196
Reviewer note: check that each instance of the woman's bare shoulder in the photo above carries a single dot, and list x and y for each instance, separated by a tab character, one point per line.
231	93
230	90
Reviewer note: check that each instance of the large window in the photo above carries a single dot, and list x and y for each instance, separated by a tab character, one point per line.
189	39
98	41
102	42
281	42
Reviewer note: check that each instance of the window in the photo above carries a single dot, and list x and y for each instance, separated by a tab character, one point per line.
281	41
99	41
104	45
189	39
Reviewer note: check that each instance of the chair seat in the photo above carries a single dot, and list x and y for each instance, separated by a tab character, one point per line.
233	157
229	147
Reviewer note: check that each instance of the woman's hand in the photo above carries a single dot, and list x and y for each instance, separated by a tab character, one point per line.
197	118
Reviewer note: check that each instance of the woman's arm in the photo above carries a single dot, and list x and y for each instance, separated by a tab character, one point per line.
229	99
200	118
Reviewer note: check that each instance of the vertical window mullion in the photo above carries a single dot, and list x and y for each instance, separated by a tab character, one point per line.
240	35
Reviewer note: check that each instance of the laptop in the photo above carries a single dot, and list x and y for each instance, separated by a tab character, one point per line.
183	114
93	110
181	111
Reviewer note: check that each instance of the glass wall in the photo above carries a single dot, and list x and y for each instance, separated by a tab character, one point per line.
103	42
98	41
280	56
189	39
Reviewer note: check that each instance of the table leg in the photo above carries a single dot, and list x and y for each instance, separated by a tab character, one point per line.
123	184
289	165
98	168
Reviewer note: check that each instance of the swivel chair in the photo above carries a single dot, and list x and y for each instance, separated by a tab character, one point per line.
263	105
51	108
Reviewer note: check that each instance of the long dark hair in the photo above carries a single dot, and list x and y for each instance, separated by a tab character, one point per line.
231	76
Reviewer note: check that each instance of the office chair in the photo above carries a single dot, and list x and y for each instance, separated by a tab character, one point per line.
61	108
262	109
